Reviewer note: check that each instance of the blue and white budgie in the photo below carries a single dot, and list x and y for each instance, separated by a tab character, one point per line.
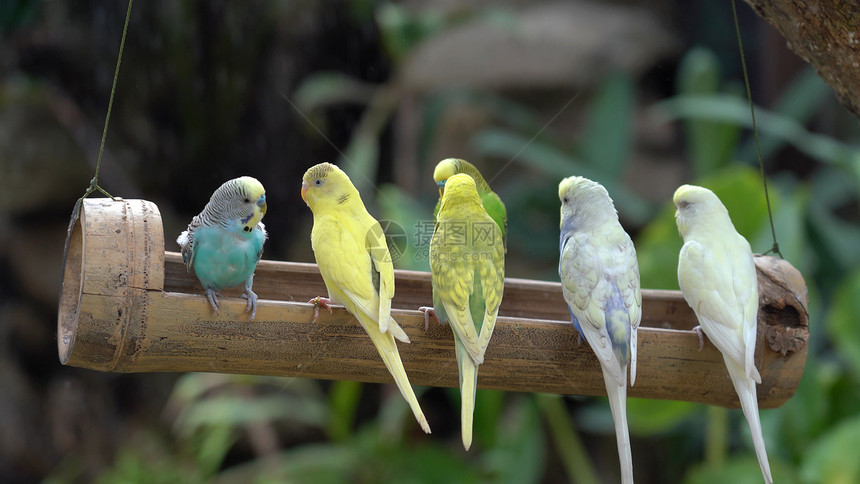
600	281
225	241
717	275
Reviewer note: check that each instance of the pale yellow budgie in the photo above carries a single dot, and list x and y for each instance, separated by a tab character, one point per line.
717	276
600	282
354	261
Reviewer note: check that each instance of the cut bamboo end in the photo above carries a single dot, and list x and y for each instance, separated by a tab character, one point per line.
114	255
129	306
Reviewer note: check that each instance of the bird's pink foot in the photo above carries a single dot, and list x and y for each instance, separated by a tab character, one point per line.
700	333
320	302
428	312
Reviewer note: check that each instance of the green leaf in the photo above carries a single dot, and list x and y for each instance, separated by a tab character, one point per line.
241	410
359	159
402	28
647	417
800	100
711	144
488	411
831	190
410	229
324	89
395	418
569	446
842	324
735	110
557	164
741	470
832	459
657	247
607	138
317	463
789	223
805	415
211	445
425	464
508	113
699	72
519	457
344	397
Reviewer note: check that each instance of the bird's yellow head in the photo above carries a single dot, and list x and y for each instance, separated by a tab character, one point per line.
445	169
326	185
694	204
584	202
255	195
449	167
460	188
241	199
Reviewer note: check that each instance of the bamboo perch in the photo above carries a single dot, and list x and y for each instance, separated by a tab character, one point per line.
128	306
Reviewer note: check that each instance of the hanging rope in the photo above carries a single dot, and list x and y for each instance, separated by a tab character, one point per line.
94	183
775	248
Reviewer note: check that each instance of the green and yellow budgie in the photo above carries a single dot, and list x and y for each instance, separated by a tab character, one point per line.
717	275
467	261
354	261
600	282
225	241
491	202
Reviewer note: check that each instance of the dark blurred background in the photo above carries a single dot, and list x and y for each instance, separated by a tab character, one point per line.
641	96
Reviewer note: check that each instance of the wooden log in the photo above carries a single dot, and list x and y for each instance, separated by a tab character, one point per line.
129	306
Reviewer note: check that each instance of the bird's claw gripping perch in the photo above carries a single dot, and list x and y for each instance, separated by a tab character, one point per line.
700	333
320	302
212	295
428	313
252	303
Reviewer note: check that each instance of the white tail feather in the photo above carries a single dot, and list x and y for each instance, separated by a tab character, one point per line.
745	388
618	403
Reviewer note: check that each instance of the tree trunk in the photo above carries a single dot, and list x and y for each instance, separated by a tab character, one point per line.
824	33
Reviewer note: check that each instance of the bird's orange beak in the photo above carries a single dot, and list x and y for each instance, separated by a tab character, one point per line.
304	191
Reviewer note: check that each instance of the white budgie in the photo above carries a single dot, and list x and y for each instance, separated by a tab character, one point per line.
600	281
717	276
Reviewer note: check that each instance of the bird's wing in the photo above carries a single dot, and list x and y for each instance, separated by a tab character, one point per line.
708	285
587	292
453	279
492	277
186	243
377	247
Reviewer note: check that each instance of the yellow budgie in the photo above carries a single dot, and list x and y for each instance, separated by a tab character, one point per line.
352	255
717	276
467	259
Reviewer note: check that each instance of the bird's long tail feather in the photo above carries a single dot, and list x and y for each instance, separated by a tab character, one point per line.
618	403
745	388
387	349
468	385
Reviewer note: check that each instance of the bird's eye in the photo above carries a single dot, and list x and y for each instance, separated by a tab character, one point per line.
247	200
318	182
683	204
565	200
